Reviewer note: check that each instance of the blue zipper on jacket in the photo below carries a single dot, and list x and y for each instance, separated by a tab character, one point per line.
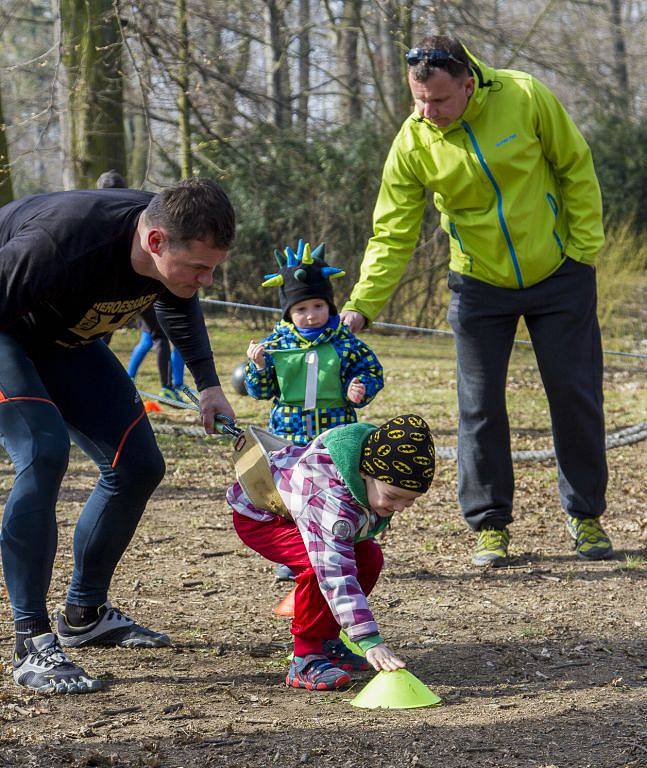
499	198
454	231
553	206
456	236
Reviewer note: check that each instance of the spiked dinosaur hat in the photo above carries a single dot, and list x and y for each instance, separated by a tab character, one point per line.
303	275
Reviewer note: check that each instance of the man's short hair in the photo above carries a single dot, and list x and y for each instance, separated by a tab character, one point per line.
111	180
458	69
194	209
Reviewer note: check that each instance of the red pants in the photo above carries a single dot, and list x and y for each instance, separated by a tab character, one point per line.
279	540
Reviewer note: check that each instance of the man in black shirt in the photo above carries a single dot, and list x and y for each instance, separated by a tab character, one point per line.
75	266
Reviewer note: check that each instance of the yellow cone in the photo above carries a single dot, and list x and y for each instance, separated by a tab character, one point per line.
395	690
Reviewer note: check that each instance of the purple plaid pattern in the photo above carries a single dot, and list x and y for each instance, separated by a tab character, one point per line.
317	498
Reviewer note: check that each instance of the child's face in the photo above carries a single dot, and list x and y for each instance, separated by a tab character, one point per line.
385	499
310	313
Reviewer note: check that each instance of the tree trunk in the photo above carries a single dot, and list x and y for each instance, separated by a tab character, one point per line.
183	102
351	101
61	94
304	63
138	145
399	28
279	79
621	96
233	69
6	187
92	57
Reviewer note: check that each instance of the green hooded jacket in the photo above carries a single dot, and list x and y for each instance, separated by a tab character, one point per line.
512	178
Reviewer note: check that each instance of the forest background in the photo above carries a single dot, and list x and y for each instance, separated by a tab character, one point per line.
292	105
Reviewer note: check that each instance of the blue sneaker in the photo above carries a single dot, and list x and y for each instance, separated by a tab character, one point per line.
341	656
315	673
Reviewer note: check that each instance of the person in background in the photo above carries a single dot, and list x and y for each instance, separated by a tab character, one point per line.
111	180
170	364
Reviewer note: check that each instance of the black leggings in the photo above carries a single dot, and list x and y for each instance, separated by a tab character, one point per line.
47	396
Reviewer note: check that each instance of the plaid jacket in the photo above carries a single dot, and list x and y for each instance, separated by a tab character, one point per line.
292	421
328	518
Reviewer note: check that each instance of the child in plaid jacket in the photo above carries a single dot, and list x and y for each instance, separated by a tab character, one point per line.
339	492
315	369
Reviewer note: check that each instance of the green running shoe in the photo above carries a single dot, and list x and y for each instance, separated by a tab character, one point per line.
590	539
491	547
170	394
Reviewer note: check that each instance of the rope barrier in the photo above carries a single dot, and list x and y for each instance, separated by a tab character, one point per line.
626	436
398	327
168	401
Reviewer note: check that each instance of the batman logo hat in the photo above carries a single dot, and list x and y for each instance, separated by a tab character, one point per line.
403	450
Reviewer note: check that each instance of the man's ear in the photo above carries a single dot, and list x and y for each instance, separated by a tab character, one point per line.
154	239
469	86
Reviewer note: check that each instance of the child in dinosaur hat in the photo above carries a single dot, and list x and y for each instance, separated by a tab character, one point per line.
315	369
338	493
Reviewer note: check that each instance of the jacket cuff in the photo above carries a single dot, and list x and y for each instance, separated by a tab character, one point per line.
365	629
204	373
584	257
366	643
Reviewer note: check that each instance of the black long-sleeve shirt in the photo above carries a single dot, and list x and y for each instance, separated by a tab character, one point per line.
66	276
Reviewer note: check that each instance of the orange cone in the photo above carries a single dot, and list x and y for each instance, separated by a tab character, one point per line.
286	606
150	406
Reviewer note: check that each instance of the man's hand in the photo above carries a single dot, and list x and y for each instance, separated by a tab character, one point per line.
354	320
356	391
256	353
212	403
382	657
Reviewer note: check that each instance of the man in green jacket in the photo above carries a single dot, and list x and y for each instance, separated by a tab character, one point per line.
513	180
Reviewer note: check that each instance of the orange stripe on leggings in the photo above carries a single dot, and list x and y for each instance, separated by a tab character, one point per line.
126	433
5	399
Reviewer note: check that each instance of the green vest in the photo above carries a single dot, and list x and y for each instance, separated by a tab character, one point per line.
309	377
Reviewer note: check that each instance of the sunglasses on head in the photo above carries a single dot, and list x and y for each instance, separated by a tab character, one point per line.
435	57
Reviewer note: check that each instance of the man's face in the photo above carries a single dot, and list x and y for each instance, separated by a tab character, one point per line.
184	267
441	98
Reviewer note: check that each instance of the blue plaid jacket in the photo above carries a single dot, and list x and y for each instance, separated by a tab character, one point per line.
292	421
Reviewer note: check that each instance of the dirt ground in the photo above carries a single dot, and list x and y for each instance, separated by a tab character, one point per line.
543	663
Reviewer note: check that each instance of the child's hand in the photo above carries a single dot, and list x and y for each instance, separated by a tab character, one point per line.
356	391
256	353
382	657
